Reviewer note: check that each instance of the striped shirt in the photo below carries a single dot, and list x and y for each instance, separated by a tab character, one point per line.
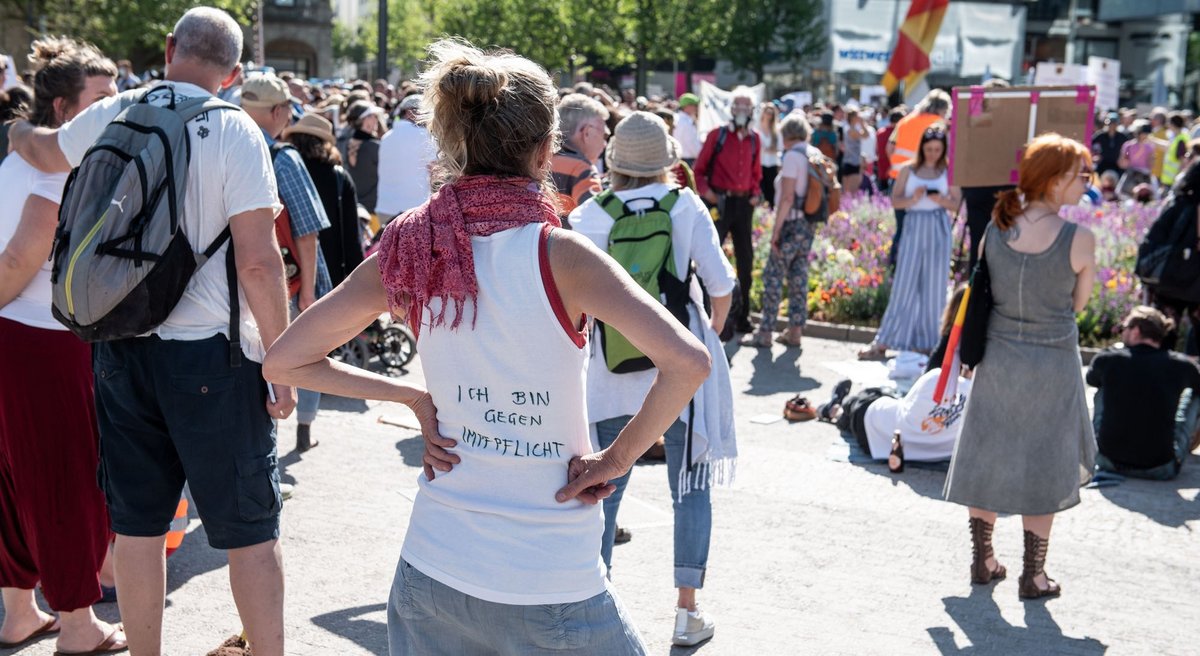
575	177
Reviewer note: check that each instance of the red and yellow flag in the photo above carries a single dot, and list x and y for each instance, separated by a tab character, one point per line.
910	58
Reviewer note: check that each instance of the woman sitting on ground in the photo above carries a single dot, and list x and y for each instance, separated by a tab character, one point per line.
928	429
499	300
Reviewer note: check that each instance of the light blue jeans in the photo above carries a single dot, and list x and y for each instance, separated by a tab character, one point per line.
307	401
428	618
693	515
1187	416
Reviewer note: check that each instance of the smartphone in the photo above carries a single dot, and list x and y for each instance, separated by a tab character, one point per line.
931	192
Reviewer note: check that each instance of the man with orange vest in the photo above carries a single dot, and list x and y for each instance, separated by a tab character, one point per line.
902	145
906	138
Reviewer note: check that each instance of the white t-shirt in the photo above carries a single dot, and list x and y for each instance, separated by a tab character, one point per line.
19	181
794	165
687	135
230	173
405	154
927	430
772	144
694	238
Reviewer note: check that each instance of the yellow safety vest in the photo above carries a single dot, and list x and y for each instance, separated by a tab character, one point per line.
1171	160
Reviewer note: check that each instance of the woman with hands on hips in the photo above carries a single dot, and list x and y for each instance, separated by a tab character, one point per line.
499	298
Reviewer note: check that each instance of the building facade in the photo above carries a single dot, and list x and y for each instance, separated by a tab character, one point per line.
298	36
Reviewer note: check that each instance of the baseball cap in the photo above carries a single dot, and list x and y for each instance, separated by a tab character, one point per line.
689	99
264	91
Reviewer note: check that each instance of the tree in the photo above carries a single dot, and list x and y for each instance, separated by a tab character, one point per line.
120	28
409	31
764	31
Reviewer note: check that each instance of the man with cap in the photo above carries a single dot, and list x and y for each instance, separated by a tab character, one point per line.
1147	402
702	442
266	99
685	131
1106	145
406	155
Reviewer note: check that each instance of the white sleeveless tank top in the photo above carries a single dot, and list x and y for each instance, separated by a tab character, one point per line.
512	392
910	188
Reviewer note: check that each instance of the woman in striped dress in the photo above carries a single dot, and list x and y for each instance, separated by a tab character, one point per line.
923	265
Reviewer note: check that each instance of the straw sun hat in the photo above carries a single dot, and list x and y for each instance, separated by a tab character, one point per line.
313	125
640	147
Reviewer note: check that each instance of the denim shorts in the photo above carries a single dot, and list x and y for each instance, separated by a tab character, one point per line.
427	618
172	410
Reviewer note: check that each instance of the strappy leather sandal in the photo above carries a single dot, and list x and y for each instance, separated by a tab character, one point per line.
873	353
798	408
1035	563
981	550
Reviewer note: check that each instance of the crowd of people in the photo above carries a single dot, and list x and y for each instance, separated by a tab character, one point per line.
571	226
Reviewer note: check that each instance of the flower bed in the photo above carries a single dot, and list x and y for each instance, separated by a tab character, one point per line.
849	280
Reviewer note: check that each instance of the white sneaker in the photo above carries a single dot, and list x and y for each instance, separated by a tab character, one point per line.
692	628
285	491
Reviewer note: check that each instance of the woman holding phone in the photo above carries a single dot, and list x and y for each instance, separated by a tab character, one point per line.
922	275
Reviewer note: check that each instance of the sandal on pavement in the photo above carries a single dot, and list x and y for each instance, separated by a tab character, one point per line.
234	646
757	340
873	353
787	341
798	409
825	410
50	627
107	646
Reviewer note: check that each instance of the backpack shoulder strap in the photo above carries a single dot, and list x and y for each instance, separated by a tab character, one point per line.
193	107
612	205
667	202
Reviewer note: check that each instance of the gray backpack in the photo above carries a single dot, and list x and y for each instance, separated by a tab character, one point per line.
121	259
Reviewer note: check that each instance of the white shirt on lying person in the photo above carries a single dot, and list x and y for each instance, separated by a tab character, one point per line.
928	430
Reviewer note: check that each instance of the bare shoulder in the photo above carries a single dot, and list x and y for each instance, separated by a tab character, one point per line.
1084	238
572	254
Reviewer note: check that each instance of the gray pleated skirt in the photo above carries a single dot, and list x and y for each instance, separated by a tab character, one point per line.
1026	445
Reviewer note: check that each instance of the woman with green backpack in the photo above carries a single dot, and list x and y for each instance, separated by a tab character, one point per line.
662	235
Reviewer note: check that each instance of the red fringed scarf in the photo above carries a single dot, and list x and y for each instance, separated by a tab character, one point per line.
426	252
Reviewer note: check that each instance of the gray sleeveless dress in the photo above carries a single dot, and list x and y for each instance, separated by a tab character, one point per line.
1026	444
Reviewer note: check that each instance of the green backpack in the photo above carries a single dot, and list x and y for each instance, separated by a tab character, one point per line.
640	241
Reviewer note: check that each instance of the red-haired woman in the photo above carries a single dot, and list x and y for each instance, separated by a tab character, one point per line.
1026	443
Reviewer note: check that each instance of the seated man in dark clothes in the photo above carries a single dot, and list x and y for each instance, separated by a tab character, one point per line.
1147	403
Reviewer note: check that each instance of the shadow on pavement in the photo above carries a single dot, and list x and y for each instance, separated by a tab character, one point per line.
773	376
368	634
193	558
343	404
925	478
978	616
412	450
1160	501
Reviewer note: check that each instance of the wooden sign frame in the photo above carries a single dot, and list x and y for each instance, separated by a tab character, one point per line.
989	128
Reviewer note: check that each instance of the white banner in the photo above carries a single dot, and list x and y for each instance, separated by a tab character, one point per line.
974	37
1049	74
714	105
1106	75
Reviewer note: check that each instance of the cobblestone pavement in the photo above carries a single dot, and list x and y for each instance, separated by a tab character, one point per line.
811	554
